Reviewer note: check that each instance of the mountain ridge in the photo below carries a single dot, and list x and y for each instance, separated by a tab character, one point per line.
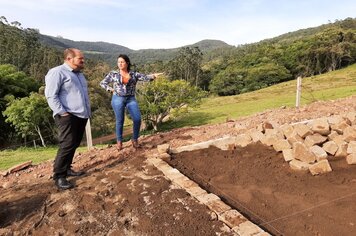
109	51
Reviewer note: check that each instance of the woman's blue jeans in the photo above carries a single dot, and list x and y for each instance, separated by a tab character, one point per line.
119	104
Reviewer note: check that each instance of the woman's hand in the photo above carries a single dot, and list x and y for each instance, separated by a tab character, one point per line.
155	75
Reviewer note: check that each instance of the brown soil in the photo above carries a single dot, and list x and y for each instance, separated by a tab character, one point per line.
123	195
259	183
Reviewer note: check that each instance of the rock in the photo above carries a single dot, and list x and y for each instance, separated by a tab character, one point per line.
320	167
281	144
298	165
163	148
314	139
321	126
20	166
302	130
350	133
287	154
351	159
302	153
351	147
318	152
330	147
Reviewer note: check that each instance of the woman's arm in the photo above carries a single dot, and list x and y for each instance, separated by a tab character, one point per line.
106	81
155	75
144	77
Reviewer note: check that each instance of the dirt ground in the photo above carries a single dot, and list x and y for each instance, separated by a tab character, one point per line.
259	183
123	195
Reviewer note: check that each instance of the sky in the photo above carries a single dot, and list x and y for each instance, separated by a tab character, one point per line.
163	24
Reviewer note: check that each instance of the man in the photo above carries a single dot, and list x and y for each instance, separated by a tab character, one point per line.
67	95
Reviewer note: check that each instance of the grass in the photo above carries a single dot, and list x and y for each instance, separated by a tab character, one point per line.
9	158
333	85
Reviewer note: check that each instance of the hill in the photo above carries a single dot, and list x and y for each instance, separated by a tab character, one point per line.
348	23
90	47
109	51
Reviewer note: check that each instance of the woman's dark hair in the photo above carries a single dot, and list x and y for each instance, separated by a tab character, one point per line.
127	59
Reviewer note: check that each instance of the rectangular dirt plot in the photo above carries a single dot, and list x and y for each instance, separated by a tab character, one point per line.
257	182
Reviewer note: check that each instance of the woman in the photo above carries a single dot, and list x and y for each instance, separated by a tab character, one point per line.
122	84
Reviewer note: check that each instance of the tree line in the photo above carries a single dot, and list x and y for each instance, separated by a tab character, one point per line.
305	53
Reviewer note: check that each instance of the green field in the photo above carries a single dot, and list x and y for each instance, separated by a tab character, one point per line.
9	158
333	85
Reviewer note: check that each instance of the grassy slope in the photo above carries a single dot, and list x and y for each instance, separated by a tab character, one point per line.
333	85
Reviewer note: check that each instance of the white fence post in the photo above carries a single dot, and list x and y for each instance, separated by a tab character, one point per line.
88	135
299	91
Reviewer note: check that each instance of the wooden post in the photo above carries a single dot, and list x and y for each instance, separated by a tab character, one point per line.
299	91
88	135
34	144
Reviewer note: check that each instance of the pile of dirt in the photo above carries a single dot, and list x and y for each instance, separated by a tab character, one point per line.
123	195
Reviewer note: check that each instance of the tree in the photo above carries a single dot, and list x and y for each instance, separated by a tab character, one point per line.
103	119
29	115
264	75
13	84
162	98
186	65
228	82
21	47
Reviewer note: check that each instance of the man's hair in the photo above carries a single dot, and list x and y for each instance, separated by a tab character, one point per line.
69	52
127	59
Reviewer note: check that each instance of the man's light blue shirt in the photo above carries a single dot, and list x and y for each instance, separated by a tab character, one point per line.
67	91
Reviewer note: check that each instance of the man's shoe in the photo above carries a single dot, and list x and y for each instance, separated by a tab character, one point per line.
74	173
63	183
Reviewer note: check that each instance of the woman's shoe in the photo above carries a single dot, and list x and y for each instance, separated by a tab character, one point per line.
119	145
135	143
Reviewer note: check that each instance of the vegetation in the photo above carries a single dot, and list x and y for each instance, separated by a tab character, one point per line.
30	115
163	98
332	85
13	84
255	66
21	48
186	65
10	158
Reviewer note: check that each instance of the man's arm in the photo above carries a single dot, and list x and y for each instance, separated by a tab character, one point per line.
53	81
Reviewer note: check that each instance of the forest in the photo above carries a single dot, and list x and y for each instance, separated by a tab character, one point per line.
208	68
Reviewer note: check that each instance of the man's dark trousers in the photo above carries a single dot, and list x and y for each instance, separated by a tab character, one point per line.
71	130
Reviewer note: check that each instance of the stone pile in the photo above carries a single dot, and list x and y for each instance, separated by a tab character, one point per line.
307	145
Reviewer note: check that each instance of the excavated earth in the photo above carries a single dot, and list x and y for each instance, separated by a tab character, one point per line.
122	194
